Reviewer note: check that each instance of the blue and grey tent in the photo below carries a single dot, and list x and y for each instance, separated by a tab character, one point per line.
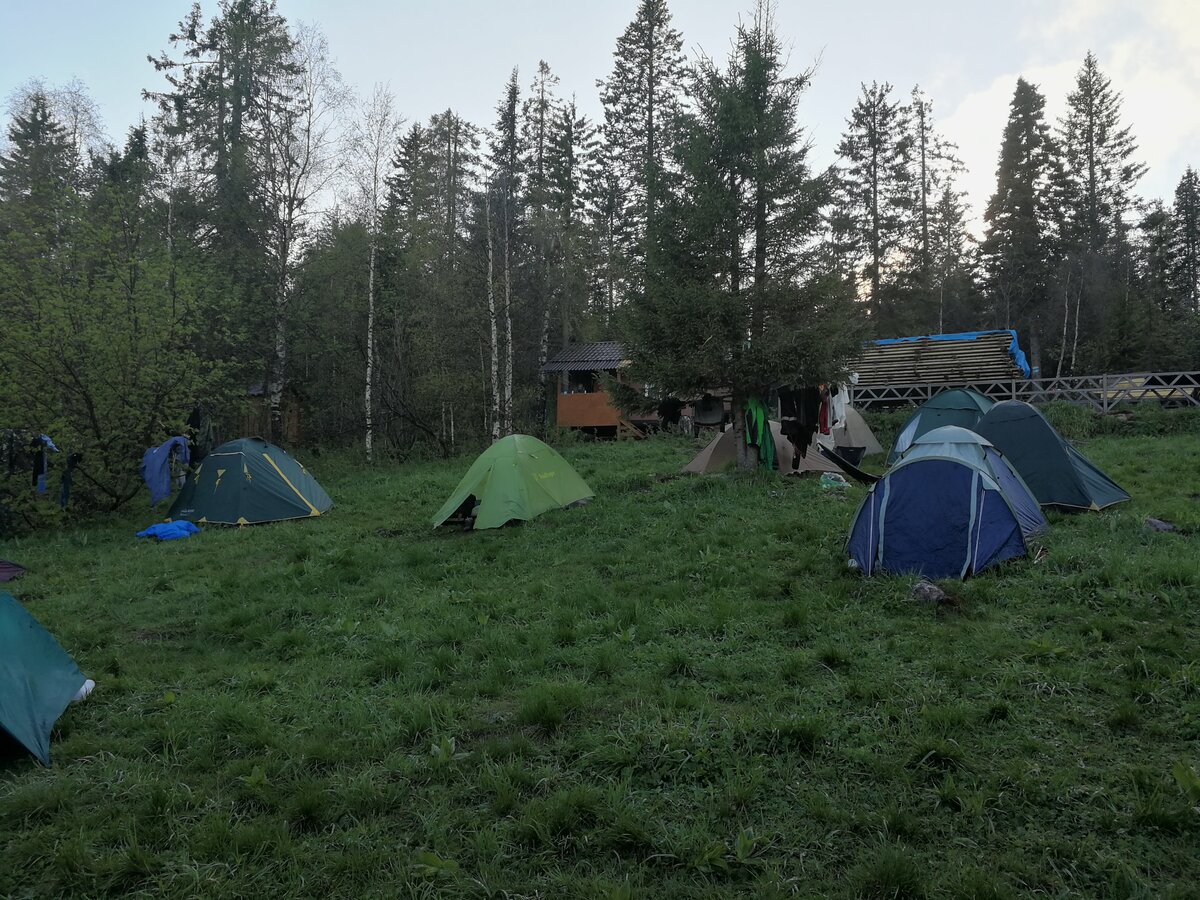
954	442
944	515
960	406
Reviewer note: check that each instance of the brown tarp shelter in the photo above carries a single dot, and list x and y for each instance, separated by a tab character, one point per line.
721	453
856	433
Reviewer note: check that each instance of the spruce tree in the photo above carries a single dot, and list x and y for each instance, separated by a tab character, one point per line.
641	99
503	215
953	281
36	173
934	167
874	208
1185	242
1100	175
1020	248
732	296
229	75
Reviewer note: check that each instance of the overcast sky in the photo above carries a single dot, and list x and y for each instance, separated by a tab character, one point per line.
966	54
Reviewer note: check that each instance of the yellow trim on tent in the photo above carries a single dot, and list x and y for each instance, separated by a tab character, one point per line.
242	520
313	510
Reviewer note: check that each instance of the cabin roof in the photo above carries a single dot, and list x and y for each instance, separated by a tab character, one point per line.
599	356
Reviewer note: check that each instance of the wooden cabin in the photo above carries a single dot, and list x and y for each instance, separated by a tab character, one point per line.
254	417
581	401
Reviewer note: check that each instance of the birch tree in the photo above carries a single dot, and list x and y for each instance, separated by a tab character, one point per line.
372	140
301	129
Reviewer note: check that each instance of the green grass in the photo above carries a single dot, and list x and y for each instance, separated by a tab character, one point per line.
676	691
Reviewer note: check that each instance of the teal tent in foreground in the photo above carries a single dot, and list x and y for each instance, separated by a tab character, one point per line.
516	478
1057	474
248	481
37	679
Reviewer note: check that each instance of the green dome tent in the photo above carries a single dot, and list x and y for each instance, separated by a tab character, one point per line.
37	679
248	481
518	477
960	406
1056	473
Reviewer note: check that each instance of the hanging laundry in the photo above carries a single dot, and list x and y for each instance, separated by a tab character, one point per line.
838	395
758	432
823	411
799	409
156	466
41	463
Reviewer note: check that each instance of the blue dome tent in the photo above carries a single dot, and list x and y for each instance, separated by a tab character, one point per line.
955	442
950	509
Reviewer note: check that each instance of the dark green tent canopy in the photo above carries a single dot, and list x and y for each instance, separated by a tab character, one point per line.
37	679
248	481
1056	473
961	406
518	477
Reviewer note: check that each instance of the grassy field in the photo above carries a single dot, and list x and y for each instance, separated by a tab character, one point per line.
676	691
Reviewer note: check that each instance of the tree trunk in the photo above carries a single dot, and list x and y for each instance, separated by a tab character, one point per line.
277	384
1062	352
747	456
370	350
1075	339
508	342
492	316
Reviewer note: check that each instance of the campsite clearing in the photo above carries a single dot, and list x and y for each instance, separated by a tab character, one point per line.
678	690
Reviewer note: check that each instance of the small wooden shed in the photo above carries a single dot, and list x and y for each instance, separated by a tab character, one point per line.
581	400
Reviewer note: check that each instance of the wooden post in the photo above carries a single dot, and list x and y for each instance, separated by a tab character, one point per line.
1104	393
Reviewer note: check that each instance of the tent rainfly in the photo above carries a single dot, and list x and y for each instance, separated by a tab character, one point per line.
1057	473
938	517
960	406
517	478
248	481
953	442
855	432
37	679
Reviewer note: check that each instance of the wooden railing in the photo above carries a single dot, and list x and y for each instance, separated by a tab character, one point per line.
1101	392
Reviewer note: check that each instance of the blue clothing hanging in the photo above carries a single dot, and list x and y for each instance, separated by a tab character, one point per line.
156	466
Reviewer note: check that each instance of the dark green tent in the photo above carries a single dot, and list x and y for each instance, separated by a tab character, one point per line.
961	406
518	477
248	481
1056	473
37	679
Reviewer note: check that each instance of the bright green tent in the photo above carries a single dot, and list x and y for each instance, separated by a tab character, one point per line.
518	477
37	679
248	481
1056	473
959	406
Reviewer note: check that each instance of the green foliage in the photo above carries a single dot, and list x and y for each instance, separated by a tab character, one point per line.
103	316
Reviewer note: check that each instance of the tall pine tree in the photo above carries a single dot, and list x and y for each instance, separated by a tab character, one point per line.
1020	247
641	99
1100	178
732	296
874	207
